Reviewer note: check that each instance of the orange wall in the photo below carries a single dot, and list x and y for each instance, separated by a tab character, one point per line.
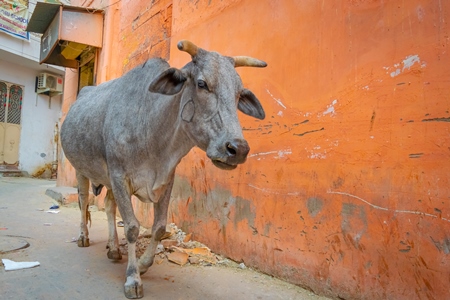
346	187
66	173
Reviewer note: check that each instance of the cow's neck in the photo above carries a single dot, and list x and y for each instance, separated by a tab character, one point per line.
166	138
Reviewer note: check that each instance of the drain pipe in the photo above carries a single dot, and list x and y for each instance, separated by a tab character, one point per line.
55	151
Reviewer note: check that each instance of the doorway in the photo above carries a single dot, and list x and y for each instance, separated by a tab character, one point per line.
10	120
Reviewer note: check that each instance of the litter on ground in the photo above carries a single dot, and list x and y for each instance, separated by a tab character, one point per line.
13	265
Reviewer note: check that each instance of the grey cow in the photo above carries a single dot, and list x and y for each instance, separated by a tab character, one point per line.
129	134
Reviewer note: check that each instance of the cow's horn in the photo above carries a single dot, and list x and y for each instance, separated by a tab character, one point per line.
188	47
246	61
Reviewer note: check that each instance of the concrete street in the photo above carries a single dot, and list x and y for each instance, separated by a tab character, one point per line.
69	272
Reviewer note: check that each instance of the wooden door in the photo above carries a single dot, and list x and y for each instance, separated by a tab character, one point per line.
10	120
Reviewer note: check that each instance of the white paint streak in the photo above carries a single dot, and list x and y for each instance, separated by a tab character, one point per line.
330	108
395	73
269	191
262	153
280	153
313	154
387	209
318	156
276	100
407	63
410	61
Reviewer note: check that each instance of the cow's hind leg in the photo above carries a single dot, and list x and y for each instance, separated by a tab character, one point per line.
83	202
133	286
113	240
159	228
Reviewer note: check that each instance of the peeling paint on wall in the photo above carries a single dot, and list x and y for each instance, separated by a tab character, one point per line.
405	65
314	206
330	108
278	154
216	204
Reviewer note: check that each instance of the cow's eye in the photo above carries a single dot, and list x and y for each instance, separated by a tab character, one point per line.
201	84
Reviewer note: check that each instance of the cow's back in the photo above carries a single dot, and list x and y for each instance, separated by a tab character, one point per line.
99	112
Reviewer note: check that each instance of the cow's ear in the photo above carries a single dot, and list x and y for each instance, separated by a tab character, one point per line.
169	82
250	105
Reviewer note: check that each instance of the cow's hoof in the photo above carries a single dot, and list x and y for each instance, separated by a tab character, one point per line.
83	241
114	254
134	291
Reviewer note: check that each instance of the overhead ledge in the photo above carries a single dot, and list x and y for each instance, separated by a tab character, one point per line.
67	32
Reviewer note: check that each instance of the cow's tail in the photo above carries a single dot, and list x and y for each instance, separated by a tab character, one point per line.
88	213
96	190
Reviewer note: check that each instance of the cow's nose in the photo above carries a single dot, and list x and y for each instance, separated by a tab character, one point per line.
237	149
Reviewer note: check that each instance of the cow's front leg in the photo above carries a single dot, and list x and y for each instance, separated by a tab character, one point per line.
133	286
158	229
113	240
83	202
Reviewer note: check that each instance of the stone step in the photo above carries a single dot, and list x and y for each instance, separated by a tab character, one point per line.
11	171
65	195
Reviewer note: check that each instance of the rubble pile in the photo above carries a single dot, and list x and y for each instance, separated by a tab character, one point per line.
178	247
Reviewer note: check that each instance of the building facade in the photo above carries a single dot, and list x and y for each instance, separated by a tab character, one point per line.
28	120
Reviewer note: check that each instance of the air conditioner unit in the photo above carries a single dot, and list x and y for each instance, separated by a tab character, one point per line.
50	82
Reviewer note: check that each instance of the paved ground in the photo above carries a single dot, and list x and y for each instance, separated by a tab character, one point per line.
69	272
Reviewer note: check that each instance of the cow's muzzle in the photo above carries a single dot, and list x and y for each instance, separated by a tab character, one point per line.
235	152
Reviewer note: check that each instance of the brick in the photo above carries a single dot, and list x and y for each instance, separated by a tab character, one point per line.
178	257
169	243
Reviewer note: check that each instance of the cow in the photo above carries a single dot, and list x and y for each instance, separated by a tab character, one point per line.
129	134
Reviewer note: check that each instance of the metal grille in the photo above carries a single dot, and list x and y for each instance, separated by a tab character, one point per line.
3	97
15	104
